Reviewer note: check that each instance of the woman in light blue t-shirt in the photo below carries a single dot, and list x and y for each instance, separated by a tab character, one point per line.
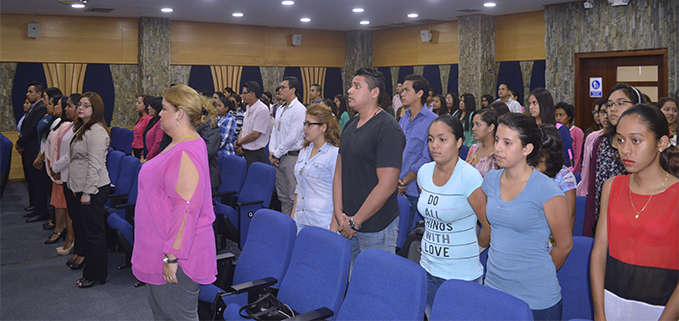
524	208
450	202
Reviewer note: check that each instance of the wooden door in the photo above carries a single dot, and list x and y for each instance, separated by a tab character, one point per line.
614	67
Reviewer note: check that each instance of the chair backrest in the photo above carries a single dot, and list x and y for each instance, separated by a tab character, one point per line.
132	198
5	153
580	206
384	286
574	280
118	223
465	300
115	137
259	183
258	186
129	170
318	272
232	168
269	247
113	161
464	150
127	142
404	217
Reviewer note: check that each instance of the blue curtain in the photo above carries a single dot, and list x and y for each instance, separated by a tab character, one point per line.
25	73
252	73
333	82
510	72
201	78
433	75
453	79
98	79
389	87
404	71
537	77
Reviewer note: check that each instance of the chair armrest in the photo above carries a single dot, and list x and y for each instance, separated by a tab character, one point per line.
250	203
118	195
253	285
124	206
222	194
318	314
227	255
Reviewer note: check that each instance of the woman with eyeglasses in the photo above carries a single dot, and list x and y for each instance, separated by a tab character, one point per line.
88	181
608	164
315	170
452	103
588	163
595	115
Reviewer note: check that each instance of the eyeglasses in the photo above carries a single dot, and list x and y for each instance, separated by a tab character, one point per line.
308	124
286	87
449	99
618	103
602	112
245	93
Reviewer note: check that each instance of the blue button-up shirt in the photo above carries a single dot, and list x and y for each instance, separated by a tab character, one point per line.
416	152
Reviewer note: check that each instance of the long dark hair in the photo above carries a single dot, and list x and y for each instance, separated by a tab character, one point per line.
656	122
453	123
63	101
97	115
546	103
551	149
528	131
634	97
469	108
342	108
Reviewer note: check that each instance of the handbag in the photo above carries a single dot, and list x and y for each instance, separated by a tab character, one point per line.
266	307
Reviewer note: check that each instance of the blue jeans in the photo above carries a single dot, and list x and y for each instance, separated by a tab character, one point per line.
553	313
433	284
384	240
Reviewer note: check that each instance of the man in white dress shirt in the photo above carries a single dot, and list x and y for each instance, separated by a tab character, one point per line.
504	91
287	136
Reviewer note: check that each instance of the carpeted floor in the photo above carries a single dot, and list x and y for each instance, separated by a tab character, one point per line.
35	284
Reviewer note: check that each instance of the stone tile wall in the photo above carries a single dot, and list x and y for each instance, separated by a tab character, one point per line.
7	120
358	53
154	54
271	78
179	74
570	29
476	46
127	90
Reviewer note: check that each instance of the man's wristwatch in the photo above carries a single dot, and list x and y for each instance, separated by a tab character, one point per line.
168	261
352	224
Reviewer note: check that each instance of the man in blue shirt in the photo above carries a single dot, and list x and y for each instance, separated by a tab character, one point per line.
415	125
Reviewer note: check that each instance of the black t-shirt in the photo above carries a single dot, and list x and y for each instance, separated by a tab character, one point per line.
378	143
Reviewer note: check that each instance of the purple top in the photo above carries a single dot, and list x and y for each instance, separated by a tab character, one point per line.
160	212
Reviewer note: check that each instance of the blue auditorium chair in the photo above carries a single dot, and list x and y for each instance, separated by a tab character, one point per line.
232	169
115	137
317	275
465	300
403	218
127	142
464	150
113	160
579	225
574	280
266	254
128	175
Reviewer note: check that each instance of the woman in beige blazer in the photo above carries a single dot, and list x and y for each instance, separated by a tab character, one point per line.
88	181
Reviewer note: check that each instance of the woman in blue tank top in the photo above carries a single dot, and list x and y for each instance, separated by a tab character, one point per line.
523	207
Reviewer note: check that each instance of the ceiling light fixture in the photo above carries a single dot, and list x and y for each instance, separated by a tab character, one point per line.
489	4
168	10
358	10
78	6
237	14
365	22
288	3
305	19
412	15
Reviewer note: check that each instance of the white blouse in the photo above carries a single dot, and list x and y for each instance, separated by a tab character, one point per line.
314	185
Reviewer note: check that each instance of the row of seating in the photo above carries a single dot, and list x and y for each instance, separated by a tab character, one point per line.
121	139
5	162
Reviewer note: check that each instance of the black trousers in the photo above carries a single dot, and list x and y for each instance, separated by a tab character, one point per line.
38	182
258	155
93	234
73	207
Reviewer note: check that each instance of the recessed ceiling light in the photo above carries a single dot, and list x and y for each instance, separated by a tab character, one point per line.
305	19
365	22
166	10
357	10
78	5
288	3
412	15
237	14
489	4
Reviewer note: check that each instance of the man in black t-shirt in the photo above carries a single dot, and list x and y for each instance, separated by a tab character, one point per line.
368	165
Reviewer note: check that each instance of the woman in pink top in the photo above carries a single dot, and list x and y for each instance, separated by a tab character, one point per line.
481	154
142	108
174	244
154	134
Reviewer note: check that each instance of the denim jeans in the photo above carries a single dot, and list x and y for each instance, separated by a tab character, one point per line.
433	284
383	240
413	210
552	313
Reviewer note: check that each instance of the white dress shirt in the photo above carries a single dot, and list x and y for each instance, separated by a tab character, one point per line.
314	185
287	133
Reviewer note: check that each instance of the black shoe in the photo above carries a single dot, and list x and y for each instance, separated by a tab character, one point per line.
36	218
77	266
69	262
29	214
84	283
29	208
61	235
48	225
